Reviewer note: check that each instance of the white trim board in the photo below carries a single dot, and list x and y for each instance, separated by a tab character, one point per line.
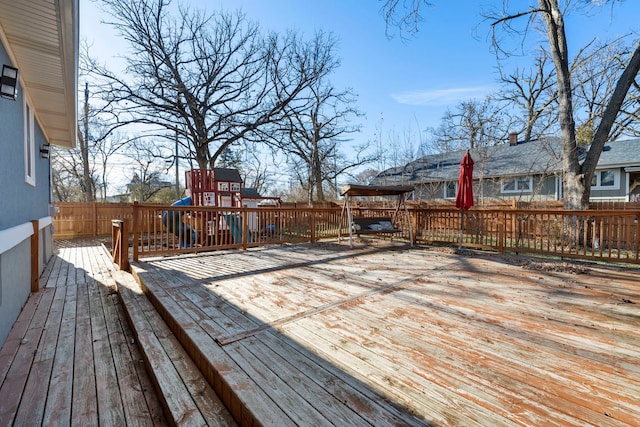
43	222
12	237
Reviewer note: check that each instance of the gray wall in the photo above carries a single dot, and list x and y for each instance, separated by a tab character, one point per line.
15	285
615	193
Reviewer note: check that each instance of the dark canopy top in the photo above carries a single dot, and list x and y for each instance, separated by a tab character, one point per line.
375	190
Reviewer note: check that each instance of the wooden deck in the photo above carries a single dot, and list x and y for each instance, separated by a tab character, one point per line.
322	334
379	335
70	358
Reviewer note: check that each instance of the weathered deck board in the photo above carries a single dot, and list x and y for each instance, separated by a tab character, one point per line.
64	355
386	335
229	382
17	375
85	411
187	395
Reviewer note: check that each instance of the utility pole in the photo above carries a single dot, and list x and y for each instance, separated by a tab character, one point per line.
84	147
177	172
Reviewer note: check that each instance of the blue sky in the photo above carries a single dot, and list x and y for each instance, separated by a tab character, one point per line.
402	85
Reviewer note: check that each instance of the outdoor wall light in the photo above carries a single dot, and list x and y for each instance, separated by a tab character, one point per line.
9	82
44	151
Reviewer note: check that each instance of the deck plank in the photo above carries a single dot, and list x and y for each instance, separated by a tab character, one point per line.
241	395
110	407
58	407
38	347
355	394
18	332
420	336
58	366
84	410
174	370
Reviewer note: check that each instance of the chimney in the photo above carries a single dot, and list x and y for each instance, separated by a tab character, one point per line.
513	138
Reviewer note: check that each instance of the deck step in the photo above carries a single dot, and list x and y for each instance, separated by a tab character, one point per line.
187	397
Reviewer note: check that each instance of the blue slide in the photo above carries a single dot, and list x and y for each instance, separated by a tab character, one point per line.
173	221
235	226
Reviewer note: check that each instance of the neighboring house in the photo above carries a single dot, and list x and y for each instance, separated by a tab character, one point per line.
524	171
39	39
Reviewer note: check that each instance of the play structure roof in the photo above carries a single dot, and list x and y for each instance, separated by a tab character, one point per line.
375	190
227	174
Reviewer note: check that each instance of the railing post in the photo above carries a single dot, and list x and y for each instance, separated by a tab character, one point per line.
136	213
95	218
245	228
312	213
35	256
413	217
120	244
502	235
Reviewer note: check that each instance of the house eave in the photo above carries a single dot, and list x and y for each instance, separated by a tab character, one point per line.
42	38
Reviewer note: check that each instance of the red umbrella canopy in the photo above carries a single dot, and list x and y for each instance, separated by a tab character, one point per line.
464	198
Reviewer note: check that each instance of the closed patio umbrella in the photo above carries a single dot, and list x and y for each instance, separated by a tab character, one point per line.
464	197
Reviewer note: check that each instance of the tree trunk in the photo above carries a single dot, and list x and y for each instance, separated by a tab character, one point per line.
602	133
575	194
573	178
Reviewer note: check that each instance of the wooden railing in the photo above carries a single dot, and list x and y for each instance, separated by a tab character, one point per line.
169	229
612	236
607	235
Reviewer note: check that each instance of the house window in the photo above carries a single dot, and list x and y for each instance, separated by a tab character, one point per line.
235	186
517	185
223	186
450	190
29	146
606	180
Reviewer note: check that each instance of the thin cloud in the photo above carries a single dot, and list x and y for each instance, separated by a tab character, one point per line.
440	96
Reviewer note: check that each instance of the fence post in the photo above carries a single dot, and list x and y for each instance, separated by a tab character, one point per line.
120	244
94	213
136	213
35	256
413	217
312	212
501	233
245	228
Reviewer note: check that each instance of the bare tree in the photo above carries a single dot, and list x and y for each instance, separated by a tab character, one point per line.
146	173
212	80
577	175
404	14
550	13
66	186
595	73
75	174
472	124
531	93
257	172
310	138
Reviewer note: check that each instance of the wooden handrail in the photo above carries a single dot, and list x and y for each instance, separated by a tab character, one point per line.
120	244
604	235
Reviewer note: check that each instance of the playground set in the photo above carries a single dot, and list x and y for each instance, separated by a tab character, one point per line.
218	187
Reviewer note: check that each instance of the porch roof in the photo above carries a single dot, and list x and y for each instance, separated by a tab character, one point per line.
375	190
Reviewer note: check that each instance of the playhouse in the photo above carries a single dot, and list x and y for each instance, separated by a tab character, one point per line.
218	187
215	187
